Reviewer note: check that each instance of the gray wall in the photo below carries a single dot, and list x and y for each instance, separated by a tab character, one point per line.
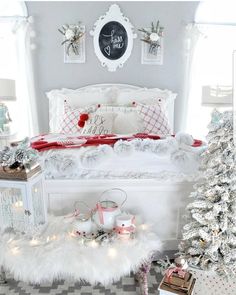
51	72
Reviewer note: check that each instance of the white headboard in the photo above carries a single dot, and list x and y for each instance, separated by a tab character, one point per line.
57	96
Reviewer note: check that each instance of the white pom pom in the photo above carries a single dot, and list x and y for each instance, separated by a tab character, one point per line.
33	46
106	150
184	138
31	19
123	148
32	34
184	161
148	145
92	158
164	147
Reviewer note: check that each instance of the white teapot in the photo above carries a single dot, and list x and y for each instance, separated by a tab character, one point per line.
106	211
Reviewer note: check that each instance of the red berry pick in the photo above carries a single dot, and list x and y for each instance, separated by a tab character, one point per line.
81	123
84	117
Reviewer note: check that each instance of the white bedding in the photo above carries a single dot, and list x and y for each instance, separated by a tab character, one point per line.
167	160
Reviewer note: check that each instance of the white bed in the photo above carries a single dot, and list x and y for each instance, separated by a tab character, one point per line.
159	200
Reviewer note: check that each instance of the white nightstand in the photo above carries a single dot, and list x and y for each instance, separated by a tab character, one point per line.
7	138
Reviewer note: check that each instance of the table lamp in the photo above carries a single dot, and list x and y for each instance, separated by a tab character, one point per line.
7	93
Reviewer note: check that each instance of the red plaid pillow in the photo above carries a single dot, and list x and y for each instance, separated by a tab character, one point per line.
71	117
154	119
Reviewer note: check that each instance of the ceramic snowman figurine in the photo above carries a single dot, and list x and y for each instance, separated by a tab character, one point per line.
125	225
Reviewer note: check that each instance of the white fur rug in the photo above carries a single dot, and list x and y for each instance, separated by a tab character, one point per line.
55	254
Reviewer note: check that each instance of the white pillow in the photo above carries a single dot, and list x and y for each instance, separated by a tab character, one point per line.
126	121
83	98
75	98
98	123
145	96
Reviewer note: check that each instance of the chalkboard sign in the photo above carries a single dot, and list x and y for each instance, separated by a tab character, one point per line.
113	40
113	36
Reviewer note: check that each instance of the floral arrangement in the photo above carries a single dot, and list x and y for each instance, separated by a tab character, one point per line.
152	37
20	156
73	34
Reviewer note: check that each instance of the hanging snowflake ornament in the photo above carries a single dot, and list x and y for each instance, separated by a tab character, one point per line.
152	37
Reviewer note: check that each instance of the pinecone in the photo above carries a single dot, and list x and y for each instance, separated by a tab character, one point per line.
7	158
20	155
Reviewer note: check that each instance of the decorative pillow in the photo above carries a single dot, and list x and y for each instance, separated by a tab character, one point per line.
154	119
76	98
98	123
126	121
71	118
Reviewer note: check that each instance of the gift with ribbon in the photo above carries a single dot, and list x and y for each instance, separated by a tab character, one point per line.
177	278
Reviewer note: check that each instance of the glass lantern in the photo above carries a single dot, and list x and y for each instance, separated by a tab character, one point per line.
22	204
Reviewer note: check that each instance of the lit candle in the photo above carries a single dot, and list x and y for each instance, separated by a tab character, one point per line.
10	240
15	250
72	234
34	242
112	252
18	204
143	226
93	244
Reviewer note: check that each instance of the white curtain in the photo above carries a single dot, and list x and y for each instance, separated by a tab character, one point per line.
211	64
192	35
25	82
16	63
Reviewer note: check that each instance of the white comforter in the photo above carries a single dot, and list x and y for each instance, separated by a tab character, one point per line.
170	159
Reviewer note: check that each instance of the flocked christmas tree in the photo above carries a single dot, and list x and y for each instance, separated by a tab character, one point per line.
209	239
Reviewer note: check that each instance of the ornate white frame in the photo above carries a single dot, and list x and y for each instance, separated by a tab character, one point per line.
113	14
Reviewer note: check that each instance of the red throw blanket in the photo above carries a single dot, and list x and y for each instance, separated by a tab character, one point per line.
60	141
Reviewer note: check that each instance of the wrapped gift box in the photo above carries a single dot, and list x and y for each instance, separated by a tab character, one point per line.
176	280
177	285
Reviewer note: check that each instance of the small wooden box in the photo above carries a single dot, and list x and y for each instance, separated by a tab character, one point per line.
20	174
183	289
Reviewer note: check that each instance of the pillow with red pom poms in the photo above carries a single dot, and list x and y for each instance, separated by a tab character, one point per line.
74	118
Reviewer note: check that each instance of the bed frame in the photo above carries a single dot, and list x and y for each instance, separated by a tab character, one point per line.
160	204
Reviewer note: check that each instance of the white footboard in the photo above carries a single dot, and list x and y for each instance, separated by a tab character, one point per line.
161	204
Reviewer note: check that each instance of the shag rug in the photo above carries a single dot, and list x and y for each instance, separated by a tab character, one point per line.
56	254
